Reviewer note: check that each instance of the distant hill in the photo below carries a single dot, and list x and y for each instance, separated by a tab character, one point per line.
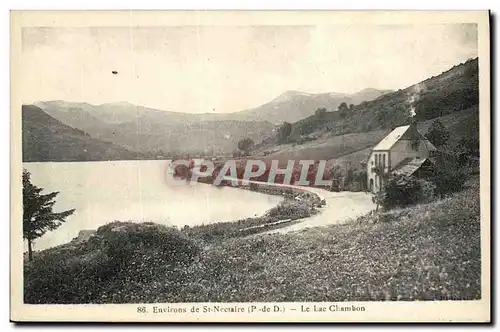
48	139
145	129
292	106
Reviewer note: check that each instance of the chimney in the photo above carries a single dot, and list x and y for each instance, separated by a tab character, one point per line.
412	132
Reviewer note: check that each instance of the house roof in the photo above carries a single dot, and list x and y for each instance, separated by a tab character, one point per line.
401	133
392	138
409	166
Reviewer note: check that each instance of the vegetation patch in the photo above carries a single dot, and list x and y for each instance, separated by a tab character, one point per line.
298	204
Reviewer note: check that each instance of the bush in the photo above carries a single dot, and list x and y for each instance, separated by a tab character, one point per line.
116	257
126	243
401	191
290	210
449	178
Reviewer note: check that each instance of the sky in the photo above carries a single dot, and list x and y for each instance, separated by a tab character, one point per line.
220	69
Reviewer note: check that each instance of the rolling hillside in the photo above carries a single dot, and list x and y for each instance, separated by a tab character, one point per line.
452	97
48	139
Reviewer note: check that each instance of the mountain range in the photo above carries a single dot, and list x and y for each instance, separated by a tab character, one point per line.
146	130
290	106
62	130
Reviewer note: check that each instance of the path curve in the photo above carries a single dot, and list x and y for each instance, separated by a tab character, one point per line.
339	208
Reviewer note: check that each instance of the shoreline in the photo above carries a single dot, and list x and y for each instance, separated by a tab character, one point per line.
298	204
240	227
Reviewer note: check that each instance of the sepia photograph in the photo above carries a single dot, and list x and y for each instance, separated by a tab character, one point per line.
250	166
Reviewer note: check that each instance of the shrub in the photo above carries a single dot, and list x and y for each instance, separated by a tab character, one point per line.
125	244
116	257
401	191
290	210
448	180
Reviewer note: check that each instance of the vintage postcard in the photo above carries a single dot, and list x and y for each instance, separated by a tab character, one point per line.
250	166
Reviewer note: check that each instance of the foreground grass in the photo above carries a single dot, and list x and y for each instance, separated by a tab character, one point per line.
426	252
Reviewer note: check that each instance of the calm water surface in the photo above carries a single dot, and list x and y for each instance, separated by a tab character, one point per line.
102	192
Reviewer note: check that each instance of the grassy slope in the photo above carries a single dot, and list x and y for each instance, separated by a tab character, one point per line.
423	252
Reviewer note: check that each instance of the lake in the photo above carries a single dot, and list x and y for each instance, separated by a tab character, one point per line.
102	192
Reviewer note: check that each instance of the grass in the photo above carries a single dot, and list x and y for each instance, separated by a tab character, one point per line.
424	252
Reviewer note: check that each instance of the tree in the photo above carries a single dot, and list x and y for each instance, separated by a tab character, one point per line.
245	145
437	134
320	113
343	107
285	131
38	217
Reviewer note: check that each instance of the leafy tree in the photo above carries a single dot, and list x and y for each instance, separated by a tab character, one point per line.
437	133
285	131
245	145
320	112
343	107
38	217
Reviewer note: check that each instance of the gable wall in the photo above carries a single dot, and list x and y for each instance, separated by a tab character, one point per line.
403	149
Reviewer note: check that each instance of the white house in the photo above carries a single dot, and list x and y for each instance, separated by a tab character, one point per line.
404	151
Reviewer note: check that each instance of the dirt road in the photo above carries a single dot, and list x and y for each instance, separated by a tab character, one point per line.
340	207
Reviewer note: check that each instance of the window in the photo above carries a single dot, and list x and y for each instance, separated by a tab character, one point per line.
415	144
383	160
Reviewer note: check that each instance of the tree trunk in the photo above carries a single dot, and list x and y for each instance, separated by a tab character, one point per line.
30	249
